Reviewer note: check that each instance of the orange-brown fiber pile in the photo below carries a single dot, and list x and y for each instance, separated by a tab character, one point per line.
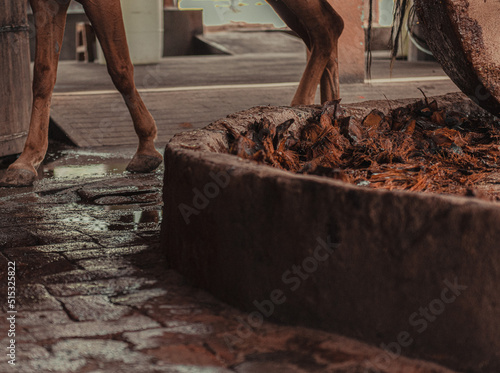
418	148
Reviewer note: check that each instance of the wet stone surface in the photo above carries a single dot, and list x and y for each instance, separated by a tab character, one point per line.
93	294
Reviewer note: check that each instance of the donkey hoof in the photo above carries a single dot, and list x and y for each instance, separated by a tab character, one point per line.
144	163
18	177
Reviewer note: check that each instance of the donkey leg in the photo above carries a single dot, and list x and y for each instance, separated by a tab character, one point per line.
294	13
50	20
324	26
330	85
319	26
316	64
291	19
106	18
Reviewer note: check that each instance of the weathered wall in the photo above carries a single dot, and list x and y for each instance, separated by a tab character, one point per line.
352	41
180	27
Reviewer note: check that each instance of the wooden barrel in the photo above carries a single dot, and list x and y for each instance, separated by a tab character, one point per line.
15	92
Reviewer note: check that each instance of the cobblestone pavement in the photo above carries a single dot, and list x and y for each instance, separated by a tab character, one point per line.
93	292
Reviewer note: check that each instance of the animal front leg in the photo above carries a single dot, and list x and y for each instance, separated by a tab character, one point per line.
319	26
107	21
330	85
50	20
298	15
306	92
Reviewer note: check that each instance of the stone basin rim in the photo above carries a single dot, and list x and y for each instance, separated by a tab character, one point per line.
192	146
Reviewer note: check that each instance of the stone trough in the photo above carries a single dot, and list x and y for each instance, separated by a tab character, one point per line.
416	274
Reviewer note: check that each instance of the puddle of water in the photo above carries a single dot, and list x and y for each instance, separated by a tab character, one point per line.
79	163
77	171
76	153
63	163
132	221
136	220
86	221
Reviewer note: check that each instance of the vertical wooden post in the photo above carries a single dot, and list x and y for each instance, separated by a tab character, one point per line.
15	92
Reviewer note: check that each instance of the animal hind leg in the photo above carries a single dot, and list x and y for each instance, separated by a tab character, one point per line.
330	86
291	19
107	21
293	12
50	20
319	26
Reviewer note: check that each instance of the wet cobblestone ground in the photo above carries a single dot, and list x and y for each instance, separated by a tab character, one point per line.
93	293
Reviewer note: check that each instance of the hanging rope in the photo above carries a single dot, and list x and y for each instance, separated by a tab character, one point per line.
400	7
369	43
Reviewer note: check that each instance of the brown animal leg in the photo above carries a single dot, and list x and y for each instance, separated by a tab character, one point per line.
319	26
330	86
106	18
50	20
